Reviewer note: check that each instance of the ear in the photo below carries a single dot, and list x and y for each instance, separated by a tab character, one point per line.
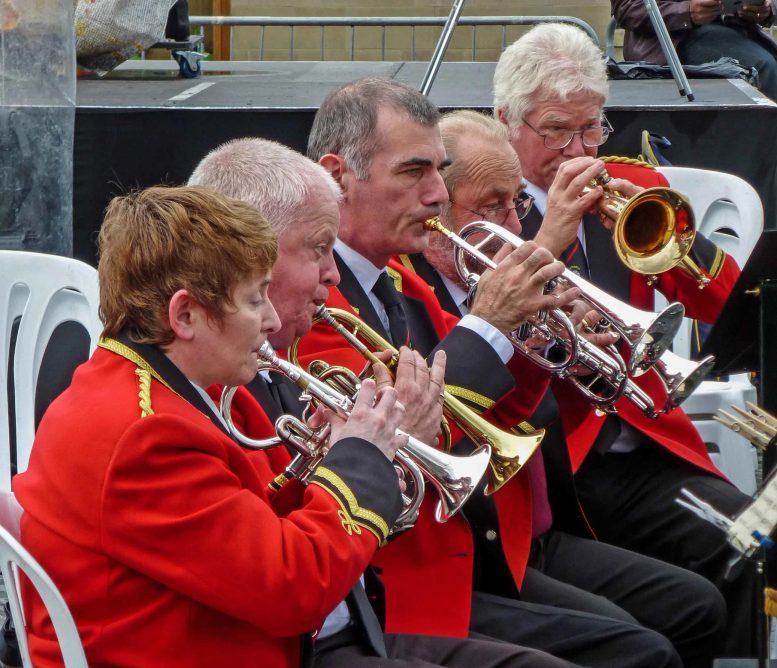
502	116
184	314
335	165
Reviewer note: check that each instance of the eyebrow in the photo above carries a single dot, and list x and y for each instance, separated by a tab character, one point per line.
566	121
422	162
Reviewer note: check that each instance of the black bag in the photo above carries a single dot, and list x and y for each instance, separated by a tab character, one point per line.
722	68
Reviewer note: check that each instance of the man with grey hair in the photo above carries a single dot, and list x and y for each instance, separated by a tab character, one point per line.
300	201
380	140
549	91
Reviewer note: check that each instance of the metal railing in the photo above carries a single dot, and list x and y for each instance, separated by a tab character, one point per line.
354	22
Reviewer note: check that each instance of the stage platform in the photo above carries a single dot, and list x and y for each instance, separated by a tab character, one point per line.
143	124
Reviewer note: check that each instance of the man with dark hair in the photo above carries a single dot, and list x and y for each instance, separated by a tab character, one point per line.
380	140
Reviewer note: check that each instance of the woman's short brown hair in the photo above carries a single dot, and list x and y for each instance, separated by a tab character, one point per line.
157	241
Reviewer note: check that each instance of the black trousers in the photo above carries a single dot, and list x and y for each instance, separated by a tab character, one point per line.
584	574
579	637
630	500
430	651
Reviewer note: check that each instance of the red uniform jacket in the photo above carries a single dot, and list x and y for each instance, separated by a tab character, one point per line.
427	571
675	430
160	533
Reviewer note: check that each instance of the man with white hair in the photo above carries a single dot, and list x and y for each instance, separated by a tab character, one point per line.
549	91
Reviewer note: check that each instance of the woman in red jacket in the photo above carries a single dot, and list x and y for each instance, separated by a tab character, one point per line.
157	527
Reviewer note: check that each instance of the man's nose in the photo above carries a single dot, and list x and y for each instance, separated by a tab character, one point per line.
575	148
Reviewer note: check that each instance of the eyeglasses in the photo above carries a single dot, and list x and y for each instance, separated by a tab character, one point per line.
559	138
498	214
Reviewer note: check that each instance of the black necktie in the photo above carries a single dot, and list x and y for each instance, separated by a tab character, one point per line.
608	434
365	619
385	291
286	394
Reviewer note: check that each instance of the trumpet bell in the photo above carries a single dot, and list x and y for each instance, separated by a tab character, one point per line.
653	336
454	478
681	376
657	231
509	455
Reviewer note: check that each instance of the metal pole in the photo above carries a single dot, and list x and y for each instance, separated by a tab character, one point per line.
442	46
659	27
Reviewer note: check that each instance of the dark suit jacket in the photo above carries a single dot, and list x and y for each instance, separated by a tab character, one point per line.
492	525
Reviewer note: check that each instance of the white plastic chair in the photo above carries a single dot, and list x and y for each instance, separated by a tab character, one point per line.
13	558
729	212
44	291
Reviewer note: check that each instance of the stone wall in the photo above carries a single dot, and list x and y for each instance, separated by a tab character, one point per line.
247	41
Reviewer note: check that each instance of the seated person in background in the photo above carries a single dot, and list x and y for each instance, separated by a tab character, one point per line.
566	571
156	526
701	34
550	87
300	200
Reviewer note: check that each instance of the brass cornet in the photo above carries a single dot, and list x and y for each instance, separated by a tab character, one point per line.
654	230
509	452
454	478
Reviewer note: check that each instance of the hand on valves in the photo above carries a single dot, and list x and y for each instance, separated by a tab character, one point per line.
514	291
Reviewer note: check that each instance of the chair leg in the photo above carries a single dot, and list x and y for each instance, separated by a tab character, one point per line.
9	646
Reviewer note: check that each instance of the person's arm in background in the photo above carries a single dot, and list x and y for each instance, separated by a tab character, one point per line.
678	15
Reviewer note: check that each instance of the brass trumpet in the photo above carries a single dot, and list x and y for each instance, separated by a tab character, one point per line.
509	452
654	230
454	478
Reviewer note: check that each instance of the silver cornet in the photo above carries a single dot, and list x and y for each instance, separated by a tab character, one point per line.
647	334
454	478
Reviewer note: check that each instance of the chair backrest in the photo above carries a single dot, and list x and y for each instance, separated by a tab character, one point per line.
40	295
728	210
14	558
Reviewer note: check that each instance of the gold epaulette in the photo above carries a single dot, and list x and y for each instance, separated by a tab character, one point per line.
144	371
395	276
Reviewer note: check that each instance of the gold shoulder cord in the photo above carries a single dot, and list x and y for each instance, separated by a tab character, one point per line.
145	372
623	160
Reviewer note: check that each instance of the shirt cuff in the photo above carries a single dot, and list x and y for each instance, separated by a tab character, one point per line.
498	341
